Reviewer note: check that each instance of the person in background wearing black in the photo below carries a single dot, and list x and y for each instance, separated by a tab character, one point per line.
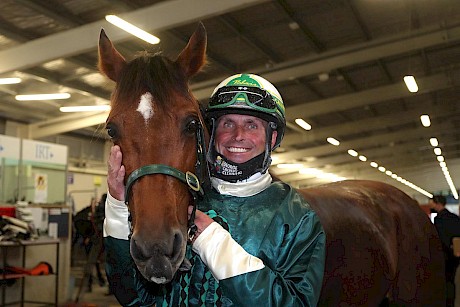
88	224
448	226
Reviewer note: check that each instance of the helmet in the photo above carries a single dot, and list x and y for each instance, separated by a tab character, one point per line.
249	94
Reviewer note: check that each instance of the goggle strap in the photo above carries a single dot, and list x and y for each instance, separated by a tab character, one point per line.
211	141
268	146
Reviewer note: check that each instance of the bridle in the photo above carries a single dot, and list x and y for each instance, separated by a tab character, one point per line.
190	179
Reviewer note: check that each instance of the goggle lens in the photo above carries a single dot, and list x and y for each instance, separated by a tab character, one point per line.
256	97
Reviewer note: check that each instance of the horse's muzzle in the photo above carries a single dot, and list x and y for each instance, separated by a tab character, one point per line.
158	262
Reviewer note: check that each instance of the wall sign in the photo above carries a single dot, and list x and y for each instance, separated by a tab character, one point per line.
44	152
9	147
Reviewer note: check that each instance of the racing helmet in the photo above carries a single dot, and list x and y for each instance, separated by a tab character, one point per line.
249	94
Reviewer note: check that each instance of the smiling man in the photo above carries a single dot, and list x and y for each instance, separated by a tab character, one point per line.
258	242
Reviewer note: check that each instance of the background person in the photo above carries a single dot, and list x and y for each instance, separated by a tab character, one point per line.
448	226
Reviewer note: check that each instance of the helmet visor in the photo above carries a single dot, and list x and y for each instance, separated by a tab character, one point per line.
254	97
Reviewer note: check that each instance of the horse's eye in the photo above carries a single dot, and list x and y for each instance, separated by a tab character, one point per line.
192	126
111	131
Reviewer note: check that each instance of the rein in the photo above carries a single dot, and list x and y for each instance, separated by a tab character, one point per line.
190	179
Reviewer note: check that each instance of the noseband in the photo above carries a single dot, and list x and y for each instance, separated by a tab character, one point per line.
190	179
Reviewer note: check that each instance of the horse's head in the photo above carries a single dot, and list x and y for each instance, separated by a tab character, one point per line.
154	119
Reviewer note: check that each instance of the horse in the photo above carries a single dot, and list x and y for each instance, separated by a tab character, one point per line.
380	244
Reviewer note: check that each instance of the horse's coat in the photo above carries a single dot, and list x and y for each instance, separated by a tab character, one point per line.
379	242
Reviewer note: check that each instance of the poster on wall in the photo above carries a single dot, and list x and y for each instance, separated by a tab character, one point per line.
41	188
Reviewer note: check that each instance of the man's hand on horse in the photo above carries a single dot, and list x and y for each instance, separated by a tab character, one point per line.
116	173
202	221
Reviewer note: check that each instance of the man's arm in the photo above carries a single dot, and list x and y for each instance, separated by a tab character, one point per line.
296	280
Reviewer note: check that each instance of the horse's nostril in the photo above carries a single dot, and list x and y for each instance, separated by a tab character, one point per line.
137	251
177	245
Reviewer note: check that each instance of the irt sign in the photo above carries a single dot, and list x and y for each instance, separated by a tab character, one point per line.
43	152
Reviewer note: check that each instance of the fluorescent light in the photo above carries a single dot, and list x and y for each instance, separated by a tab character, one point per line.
85	108
425	119
362	158
352	152
411	84
124	25
310	171
434	142
374	164
333	141
10	80
303	124
289	165
42	96
437	151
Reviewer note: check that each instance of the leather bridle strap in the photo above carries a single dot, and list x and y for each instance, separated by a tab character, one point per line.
189	178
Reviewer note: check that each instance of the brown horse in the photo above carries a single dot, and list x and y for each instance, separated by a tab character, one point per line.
379	242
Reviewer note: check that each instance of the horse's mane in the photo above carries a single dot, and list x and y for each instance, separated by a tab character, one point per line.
145	72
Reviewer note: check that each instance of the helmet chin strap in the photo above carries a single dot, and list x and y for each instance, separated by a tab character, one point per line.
230	171
268	146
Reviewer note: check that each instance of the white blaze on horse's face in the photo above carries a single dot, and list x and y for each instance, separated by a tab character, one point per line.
145	106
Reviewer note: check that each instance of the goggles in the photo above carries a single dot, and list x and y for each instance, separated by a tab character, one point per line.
254	97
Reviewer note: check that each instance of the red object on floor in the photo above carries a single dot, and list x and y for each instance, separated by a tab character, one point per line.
43	268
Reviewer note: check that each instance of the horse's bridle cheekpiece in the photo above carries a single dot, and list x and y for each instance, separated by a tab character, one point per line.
193	181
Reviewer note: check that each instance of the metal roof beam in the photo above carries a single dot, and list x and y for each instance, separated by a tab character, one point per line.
157	17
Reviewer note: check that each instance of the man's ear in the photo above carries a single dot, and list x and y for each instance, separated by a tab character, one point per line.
274	135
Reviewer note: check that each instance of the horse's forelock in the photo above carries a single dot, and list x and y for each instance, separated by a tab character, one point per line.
154	73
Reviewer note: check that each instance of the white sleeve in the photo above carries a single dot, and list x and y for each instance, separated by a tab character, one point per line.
116	218
223	255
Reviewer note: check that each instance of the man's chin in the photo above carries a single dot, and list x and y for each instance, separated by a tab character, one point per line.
238	157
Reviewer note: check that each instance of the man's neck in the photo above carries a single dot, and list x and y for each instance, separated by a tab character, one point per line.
244	188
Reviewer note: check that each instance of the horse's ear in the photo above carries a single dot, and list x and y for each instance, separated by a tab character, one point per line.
111	62
193	57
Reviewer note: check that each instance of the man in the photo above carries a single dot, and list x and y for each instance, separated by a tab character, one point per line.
258	242
448	227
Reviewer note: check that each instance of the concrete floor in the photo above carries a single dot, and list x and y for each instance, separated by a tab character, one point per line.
98	296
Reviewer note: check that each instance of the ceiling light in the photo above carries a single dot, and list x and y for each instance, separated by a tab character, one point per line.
310	171
411	84
10	80
440	158
442	164
85	108
303	124
434	142
425	119
293	25
362	158
290	165
437	151
333	141
352	152
323	76
389	173
374	164
42	96
122	24
382	169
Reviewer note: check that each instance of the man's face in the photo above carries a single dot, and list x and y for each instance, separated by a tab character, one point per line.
241	137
